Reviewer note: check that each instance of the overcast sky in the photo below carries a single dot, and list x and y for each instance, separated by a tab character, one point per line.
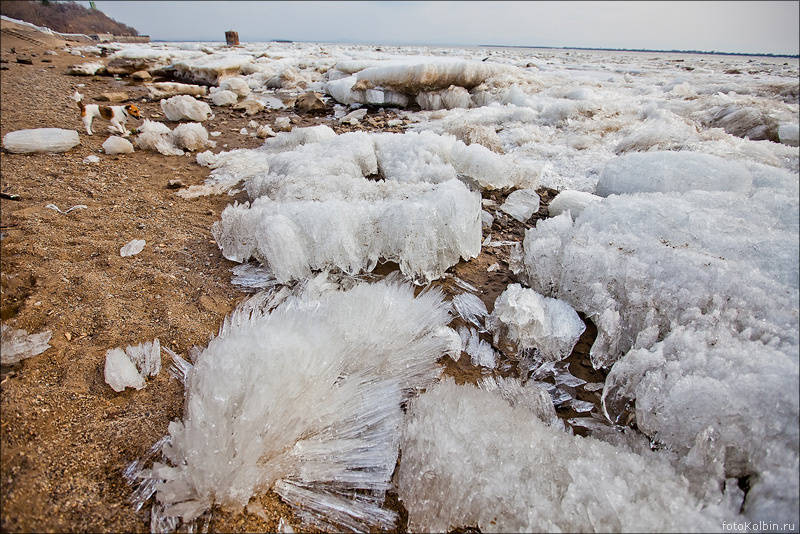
758	27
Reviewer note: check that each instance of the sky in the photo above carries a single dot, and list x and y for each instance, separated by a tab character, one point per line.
724	26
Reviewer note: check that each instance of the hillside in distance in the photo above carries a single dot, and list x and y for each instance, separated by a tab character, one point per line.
64	17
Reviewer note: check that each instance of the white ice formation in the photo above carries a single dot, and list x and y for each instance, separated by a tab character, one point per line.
17	345
129	367
572	201
159	90
309	407
191	136
85	69
224	98
117	145
471	458
681	287
40	140
425	228
521	204
182	107
524	319
650	172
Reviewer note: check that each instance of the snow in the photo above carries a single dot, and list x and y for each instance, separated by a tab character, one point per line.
182	107
311	384
85	69
40	140
18	345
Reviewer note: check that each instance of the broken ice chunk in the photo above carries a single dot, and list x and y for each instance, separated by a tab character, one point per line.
486	219
525	319
129	368
481	353
594	386
253	276
16	345
120	372
581	406
493	267
146	356
573	201
521	204
132	248
40	140
565	378
471	308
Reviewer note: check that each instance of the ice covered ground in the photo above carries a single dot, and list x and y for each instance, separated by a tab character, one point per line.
677	237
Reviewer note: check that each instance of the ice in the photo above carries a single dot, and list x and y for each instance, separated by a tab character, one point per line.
480	352
412	157
182	107
573	201
671	171
129	367
471	308
521	204
146	356
413	75
309	407
210	69
425	228
450	98
265	131
487	219
248	275
85	69
283	124
159	90
683	288
157	136
354	116
747	122
40	140
531	395
18	345
132	248
236	84
639	265
91	159
524	319
117	145
788	134
191	136
120	372
746	392
132	59
224	98
470	459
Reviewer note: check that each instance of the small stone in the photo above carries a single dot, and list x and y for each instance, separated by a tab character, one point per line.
175	184
249	106
141	75
113	97
309	102
25	60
